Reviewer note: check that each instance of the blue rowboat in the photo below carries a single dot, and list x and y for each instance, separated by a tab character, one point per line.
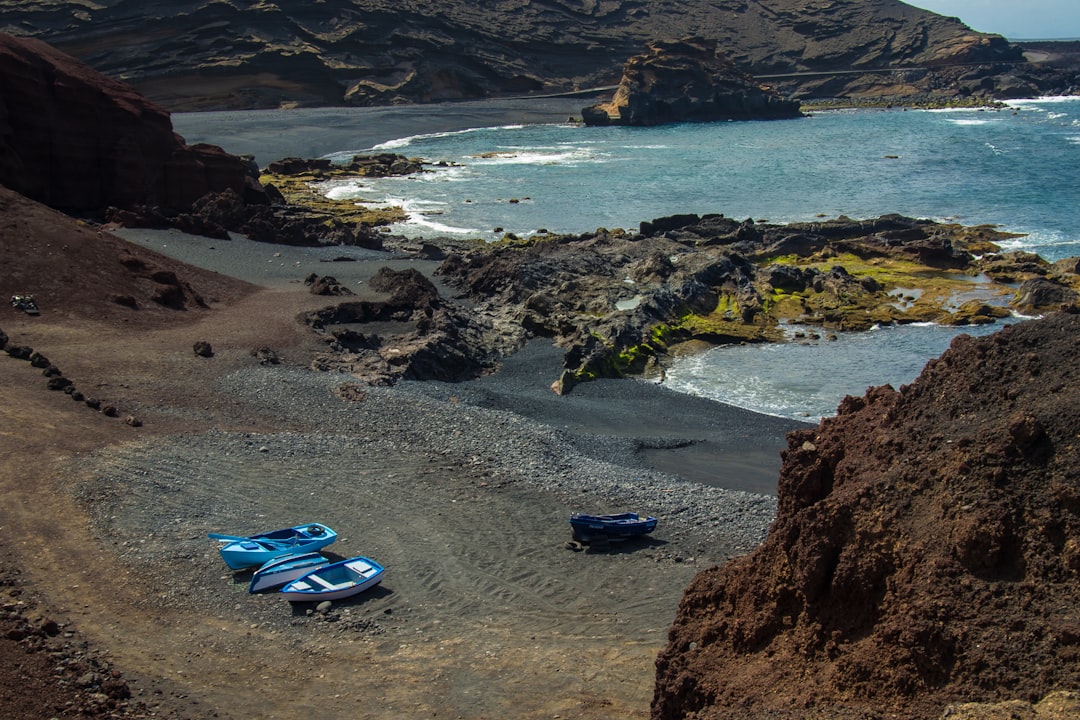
335	581
282	570
256	550
619	525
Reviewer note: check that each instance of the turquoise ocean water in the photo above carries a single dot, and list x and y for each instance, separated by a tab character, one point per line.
1017	167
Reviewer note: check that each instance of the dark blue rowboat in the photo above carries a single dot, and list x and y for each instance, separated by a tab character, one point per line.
619	525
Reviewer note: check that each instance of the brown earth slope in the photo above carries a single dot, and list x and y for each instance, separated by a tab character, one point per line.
196	54
926	552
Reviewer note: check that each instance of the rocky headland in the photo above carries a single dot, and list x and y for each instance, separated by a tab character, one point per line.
685	80
202	54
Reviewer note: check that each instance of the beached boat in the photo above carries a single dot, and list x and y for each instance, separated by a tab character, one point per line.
283	570
619	525
255	550
335	581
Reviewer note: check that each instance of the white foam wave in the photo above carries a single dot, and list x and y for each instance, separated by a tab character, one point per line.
968	121
539	156
420	222
413	139
1041	100
343	191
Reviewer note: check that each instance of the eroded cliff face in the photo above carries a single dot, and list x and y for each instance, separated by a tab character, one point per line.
926	552
74	139
198	54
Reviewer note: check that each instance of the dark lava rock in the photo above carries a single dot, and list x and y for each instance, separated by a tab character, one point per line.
686	80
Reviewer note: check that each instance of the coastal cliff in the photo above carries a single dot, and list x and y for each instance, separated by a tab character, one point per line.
685	80
925	555
201	54
75	139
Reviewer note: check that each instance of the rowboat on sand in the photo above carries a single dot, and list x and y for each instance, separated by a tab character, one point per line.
619	525
255	550
335	581
282	570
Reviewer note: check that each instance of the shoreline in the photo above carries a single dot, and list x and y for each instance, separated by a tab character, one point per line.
701	440
258	133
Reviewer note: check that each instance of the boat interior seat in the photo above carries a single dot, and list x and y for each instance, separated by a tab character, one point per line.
332	586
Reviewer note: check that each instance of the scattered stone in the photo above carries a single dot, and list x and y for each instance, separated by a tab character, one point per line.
203	349
19	352
265	356
58	383
132	421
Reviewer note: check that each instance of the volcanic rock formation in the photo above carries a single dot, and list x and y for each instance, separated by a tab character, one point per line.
74	139
201	54
619	301
926	551
685	80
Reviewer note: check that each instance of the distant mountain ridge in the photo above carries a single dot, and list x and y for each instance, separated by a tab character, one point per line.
203	54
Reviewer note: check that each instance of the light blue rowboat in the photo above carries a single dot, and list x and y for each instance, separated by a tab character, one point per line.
256	550
335	581
282	570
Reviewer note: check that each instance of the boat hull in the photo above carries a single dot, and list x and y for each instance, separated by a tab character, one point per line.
335	581
283	570
256	550
618	526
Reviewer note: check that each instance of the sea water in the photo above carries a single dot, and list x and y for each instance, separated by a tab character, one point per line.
1017	167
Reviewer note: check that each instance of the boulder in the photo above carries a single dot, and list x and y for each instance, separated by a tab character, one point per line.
1039	293
687	80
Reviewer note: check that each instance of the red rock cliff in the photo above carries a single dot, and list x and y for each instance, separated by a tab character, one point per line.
77	140
926	551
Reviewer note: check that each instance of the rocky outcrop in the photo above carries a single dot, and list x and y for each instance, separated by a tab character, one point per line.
685	80
204	54
414	334
217	214
76	140
619	301
925	554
